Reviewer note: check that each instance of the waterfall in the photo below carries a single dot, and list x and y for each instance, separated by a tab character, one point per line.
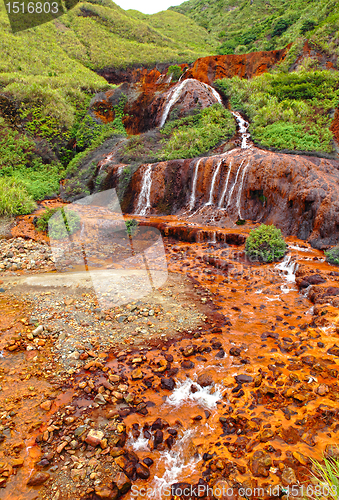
243	127
194	184
175	95
216	171
234	184
240	188
214	92
144	202
288	267
221	201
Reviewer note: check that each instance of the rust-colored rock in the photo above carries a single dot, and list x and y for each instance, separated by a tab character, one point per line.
210	68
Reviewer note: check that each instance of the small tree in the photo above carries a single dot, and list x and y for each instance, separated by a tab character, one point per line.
175	71
265	244
332	255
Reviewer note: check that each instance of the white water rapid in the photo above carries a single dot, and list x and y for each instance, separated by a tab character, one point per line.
144	202
243	129
240	189
194	185
215	174
222	198
176	93
234	184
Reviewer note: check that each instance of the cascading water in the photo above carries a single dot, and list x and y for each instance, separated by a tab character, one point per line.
240	189
221	201
243	128
215	174
289	267
144	202
175	95
194	185
234	184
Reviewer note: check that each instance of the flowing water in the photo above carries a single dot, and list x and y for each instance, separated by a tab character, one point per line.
176	93
229	200
144	201
241	188
194	184
243	129
215	174
222	198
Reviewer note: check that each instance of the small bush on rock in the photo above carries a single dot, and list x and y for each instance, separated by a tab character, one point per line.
265	244
332	255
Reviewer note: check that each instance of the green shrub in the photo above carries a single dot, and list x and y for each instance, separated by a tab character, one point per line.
14	198
132	227
265	244
287	111
280	27
193	135
42	222
63	223
307	25
175	71
332	255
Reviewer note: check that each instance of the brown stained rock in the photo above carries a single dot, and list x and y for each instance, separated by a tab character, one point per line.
122	482
107	492
266	435
142	471
94	437
290	435
301	458
288	477
46	405
205	380
38	478
137	374
322	390
260	464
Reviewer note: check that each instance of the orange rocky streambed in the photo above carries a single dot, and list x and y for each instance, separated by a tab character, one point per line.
225	376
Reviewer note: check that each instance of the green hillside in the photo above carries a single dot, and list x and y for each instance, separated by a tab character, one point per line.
251	25
47	78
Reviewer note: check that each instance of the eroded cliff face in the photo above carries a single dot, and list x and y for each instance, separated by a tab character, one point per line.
208	69
298	194
146	88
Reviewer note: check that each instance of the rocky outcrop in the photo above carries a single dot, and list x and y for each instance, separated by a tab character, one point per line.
208	69
144	87
300	195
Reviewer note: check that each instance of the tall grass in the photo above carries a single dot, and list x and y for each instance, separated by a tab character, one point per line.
14	198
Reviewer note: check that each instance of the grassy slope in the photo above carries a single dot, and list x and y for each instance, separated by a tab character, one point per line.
47	80
252	25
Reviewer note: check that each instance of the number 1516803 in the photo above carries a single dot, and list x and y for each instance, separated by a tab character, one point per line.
32	7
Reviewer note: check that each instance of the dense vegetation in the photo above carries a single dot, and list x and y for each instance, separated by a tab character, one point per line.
193	135
332	255
251	25
265	244
287	110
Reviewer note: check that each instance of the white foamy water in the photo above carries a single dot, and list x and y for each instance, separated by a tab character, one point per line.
215	174
178	464
221	201
205	396
241	188
213	91
289	268
234	184
144	202
176	93
243	129
300	249
140	444
194	184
